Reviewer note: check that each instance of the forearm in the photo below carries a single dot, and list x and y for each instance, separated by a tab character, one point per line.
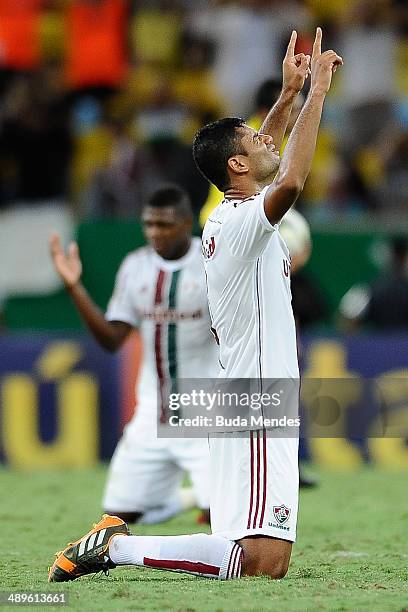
102	330
277	119
299	151
296	160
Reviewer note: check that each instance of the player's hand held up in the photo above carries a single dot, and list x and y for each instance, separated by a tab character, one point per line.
298	155
323	65
68	265
109	334
296	68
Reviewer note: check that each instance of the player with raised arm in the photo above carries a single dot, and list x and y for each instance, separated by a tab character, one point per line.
247	267
160	291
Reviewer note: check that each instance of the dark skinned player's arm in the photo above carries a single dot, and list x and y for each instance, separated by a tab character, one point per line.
109	334
298	155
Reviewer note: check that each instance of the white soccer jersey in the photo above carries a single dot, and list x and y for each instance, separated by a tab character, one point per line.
166	300
248	276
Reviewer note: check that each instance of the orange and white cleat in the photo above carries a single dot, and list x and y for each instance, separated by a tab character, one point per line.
89	554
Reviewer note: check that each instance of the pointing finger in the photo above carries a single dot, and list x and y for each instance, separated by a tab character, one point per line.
290	51
317	45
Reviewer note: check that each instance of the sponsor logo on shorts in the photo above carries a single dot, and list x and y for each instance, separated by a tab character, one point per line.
277	526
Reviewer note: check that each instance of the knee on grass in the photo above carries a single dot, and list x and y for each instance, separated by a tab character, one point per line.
274	569
266	557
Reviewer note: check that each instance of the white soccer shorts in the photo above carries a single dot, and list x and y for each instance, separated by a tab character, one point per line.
254	485
146	472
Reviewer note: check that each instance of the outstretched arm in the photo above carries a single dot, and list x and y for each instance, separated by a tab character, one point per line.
295	72
298	155
109	334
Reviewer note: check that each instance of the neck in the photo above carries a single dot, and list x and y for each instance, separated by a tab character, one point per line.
180	251
240	192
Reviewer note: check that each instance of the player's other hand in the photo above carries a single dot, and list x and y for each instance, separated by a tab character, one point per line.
296	68
68	265
324	65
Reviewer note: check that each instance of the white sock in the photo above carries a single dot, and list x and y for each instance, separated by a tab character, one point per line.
205	555
184	499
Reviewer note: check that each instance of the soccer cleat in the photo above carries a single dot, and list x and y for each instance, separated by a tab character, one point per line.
90	553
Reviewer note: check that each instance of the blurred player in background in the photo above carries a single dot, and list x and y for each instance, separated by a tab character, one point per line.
244	253
160	292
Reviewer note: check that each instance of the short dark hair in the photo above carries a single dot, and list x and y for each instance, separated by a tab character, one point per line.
171	195
213	145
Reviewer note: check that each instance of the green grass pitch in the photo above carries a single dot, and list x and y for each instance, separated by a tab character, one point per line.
351	554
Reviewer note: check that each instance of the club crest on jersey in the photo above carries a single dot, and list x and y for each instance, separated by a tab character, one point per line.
286	267
281	513
208	247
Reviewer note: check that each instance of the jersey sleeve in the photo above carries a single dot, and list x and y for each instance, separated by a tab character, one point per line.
121	307
247	229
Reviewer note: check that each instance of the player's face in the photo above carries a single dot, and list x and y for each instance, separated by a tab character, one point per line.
166	230
263	159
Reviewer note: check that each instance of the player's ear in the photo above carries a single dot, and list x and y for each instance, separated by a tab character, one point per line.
238	164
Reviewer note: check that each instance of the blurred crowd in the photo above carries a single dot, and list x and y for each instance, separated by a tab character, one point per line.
100	99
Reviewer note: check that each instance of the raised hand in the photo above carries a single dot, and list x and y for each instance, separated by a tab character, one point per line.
324	65
68	265
296	68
